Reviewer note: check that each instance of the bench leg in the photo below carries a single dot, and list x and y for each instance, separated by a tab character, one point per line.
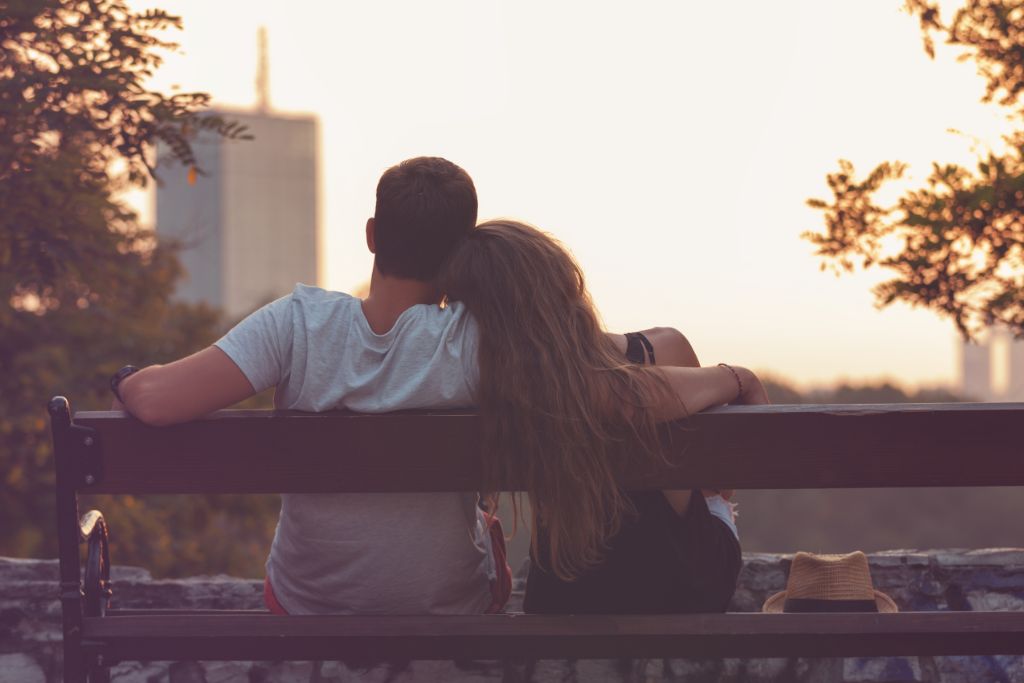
74	664
99	672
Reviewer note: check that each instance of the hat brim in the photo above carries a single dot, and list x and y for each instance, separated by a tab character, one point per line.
775	603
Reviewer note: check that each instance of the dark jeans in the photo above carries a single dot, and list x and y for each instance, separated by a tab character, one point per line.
658	563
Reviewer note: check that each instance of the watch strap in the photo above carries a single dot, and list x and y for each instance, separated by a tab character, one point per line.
118	377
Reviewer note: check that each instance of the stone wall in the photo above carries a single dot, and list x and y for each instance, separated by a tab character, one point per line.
944	580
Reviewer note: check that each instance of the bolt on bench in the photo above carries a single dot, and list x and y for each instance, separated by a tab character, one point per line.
742	447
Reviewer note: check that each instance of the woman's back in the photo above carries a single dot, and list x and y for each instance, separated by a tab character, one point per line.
563	412
659	562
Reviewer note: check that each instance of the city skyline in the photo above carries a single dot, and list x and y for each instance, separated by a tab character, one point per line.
675	170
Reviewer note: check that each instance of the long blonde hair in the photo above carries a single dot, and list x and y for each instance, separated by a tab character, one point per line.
562	411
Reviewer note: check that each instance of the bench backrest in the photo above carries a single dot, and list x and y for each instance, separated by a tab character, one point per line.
765	447
738	447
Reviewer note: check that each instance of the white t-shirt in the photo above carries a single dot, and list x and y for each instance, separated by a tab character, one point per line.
368	553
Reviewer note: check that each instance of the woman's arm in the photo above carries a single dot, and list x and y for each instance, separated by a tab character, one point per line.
671	347
185	389
697	388
700	388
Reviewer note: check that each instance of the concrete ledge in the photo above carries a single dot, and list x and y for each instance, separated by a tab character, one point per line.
989	579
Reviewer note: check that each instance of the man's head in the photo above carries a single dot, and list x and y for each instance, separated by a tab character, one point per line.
424	207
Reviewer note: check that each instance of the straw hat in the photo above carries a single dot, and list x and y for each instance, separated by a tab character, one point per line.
829	583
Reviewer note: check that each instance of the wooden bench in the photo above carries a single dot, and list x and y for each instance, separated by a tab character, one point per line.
773	447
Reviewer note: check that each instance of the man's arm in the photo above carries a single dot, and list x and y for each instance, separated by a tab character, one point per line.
185	389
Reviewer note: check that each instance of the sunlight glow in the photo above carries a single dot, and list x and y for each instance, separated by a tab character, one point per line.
671	145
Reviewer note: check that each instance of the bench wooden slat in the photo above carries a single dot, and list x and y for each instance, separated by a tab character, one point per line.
231	636
159	612
769	447
781	447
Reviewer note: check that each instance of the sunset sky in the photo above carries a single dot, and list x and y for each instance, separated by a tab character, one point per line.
670	145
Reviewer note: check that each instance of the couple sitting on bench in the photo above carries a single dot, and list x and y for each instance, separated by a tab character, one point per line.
495	316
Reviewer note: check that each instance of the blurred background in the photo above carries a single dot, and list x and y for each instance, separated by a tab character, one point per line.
687	153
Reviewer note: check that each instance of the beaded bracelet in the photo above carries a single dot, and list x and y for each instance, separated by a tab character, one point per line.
739	382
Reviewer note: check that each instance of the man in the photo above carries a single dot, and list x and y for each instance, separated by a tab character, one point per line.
396	349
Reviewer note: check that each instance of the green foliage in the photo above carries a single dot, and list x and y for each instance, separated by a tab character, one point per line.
74	73
961	236
83	288
992	31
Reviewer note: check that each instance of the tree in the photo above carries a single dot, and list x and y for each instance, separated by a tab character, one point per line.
84	288
962	234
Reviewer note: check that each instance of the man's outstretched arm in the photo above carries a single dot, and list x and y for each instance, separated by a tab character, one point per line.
185	389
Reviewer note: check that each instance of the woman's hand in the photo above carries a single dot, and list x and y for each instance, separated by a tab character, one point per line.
754	393
699	388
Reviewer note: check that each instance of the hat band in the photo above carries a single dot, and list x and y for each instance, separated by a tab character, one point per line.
818	605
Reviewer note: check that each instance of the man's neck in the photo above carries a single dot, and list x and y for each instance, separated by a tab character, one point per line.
389	297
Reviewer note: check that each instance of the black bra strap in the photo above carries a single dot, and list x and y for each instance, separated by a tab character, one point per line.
647	345
639	349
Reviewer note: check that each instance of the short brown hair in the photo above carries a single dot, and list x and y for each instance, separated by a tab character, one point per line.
424	207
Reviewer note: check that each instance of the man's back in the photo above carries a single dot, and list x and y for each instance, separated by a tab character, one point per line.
359	553
368	553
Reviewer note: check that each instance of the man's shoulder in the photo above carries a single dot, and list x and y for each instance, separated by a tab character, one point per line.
318	302
429	327
314	294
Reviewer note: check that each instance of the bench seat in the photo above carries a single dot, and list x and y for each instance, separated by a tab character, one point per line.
258	635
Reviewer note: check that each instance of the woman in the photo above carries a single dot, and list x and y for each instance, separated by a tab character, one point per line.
564	410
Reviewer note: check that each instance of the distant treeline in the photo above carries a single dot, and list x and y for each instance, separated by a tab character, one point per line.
781	391
841	520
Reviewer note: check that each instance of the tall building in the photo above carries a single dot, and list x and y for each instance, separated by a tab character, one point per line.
1015	386
996	350
249	226
976	370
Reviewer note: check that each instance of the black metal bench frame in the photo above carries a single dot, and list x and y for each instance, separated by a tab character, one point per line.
782	447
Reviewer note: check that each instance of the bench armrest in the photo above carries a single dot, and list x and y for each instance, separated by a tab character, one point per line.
92	529
88	524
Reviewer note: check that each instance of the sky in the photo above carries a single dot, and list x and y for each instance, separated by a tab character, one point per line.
670	145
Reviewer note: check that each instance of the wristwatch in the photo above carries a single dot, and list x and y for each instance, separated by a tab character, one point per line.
118	377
